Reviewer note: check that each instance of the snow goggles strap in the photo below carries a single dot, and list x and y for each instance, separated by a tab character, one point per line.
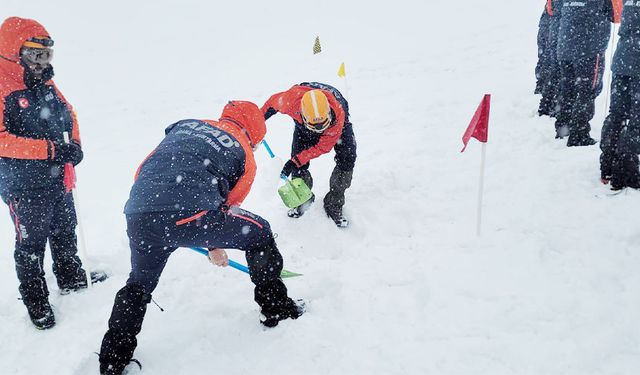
317	127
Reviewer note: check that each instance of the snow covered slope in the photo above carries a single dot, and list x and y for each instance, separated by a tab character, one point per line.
550	288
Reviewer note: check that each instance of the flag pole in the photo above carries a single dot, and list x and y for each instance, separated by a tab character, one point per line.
81	244
481	188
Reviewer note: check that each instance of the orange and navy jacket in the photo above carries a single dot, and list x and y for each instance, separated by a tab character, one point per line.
200	165
288	102
31	119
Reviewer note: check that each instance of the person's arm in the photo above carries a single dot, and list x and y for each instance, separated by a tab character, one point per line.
243	186
287	102
15	147
75	130
218	257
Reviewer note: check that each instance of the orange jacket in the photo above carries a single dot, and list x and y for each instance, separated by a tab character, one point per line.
13	33
288	102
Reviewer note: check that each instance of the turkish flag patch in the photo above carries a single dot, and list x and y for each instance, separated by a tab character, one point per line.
23	103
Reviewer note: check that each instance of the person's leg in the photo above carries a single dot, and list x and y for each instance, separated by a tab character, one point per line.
588	84
149	255
31	217
341	176
239	229
67	266
625	169
613	124
566	93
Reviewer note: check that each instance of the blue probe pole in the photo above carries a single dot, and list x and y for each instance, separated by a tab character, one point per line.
284	273
233	264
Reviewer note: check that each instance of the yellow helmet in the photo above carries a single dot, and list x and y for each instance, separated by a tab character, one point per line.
315	111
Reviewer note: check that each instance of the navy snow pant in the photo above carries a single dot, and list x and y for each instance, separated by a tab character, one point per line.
154	236
580	85
620	142
39	217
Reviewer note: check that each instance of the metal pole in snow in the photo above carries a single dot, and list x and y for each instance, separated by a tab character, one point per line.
481	189
82	246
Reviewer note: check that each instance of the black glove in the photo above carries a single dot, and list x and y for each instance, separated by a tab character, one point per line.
68	153
288	168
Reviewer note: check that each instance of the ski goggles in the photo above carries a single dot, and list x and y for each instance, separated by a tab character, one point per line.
39	56
318	127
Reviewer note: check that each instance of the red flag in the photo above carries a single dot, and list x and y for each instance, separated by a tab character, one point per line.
69	177
479	126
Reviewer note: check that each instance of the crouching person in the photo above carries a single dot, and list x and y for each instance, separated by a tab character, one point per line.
187	194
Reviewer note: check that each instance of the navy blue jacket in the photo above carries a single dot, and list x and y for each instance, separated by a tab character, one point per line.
627	58
585	28
192	169
32	116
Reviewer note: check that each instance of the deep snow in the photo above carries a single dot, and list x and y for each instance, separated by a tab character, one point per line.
551	287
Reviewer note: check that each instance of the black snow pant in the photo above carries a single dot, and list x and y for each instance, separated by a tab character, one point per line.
620	142
580	85
153	237
38	217
345	159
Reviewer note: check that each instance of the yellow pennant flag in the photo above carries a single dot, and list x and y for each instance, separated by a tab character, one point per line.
316	46
341	72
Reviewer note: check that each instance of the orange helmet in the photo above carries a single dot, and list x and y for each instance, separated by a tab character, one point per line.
315	111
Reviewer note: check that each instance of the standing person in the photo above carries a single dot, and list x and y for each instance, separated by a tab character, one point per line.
187	193
547	69
620	143
33	117
321	117
585	28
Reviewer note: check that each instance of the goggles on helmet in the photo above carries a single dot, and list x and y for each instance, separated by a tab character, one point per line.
39	56
318	127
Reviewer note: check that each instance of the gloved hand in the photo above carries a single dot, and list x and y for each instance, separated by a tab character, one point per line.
218	257
288	168
68	153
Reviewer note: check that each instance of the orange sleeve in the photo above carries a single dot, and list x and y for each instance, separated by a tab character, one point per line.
75	132
243	186
287	102
617	10
12	146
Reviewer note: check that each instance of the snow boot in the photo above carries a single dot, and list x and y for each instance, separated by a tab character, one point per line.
578	140
275	304
625	172
547	107
339	182
35	297
119	343
96	277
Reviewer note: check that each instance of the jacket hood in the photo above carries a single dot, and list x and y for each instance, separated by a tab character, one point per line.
248	116
14	31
